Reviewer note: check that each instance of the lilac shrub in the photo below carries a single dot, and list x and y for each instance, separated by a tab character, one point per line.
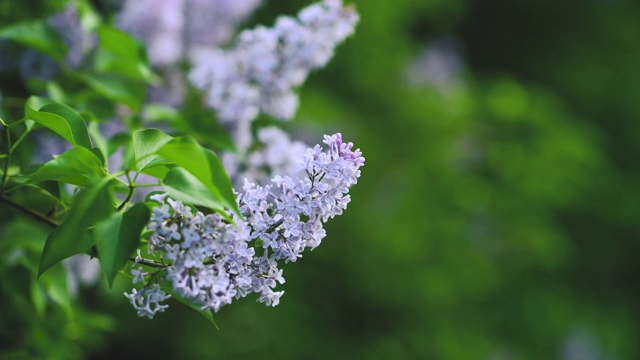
210	261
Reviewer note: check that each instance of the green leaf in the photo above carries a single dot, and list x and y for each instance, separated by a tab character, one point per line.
89	18
38	35
158	112
222	182
98	138
167	288
204	165
146	143
55	284
118	236
183	186
158	172
38	298
119	89
121	54
72	236
60	118
202	123
77	166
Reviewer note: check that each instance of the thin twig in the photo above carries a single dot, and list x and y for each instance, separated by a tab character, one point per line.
42	218
129	195
149	263
6	164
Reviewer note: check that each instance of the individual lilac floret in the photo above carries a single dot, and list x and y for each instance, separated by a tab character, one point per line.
210	261
260	72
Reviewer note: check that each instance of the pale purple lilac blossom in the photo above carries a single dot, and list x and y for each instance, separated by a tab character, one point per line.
33	64
275	153
210	262
260	72
175	28
78	41
439	65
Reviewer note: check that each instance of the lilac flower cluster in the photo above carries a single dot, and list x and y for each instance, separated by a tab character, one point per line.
31	63
210	261
274	153
260	72
79	42
176	28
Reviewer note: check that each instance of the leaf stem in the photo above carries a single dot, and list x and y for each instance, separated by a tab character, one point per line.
8	146
18	122
130	194
52	223
147	185
149	263
22	137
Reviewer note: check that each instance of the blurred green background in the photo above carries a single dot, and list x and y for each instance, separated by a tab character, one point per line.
497	213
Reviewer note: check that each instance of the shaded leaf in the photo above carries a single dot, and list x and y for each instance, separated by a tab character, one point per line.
167	288
119	89
38	35
98	138
118	236
72	236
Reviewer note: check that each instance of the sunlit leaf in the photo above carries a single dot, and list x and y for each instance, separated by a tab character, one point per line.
146	143
60	118
77	166
204	166
183	186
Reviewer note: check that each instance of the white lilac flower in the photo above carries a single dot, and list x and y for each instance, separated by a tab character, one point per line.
210	261
260	72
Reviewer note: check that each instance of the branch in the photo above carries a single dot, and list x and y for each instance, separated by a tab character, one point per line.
43	218
34	214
